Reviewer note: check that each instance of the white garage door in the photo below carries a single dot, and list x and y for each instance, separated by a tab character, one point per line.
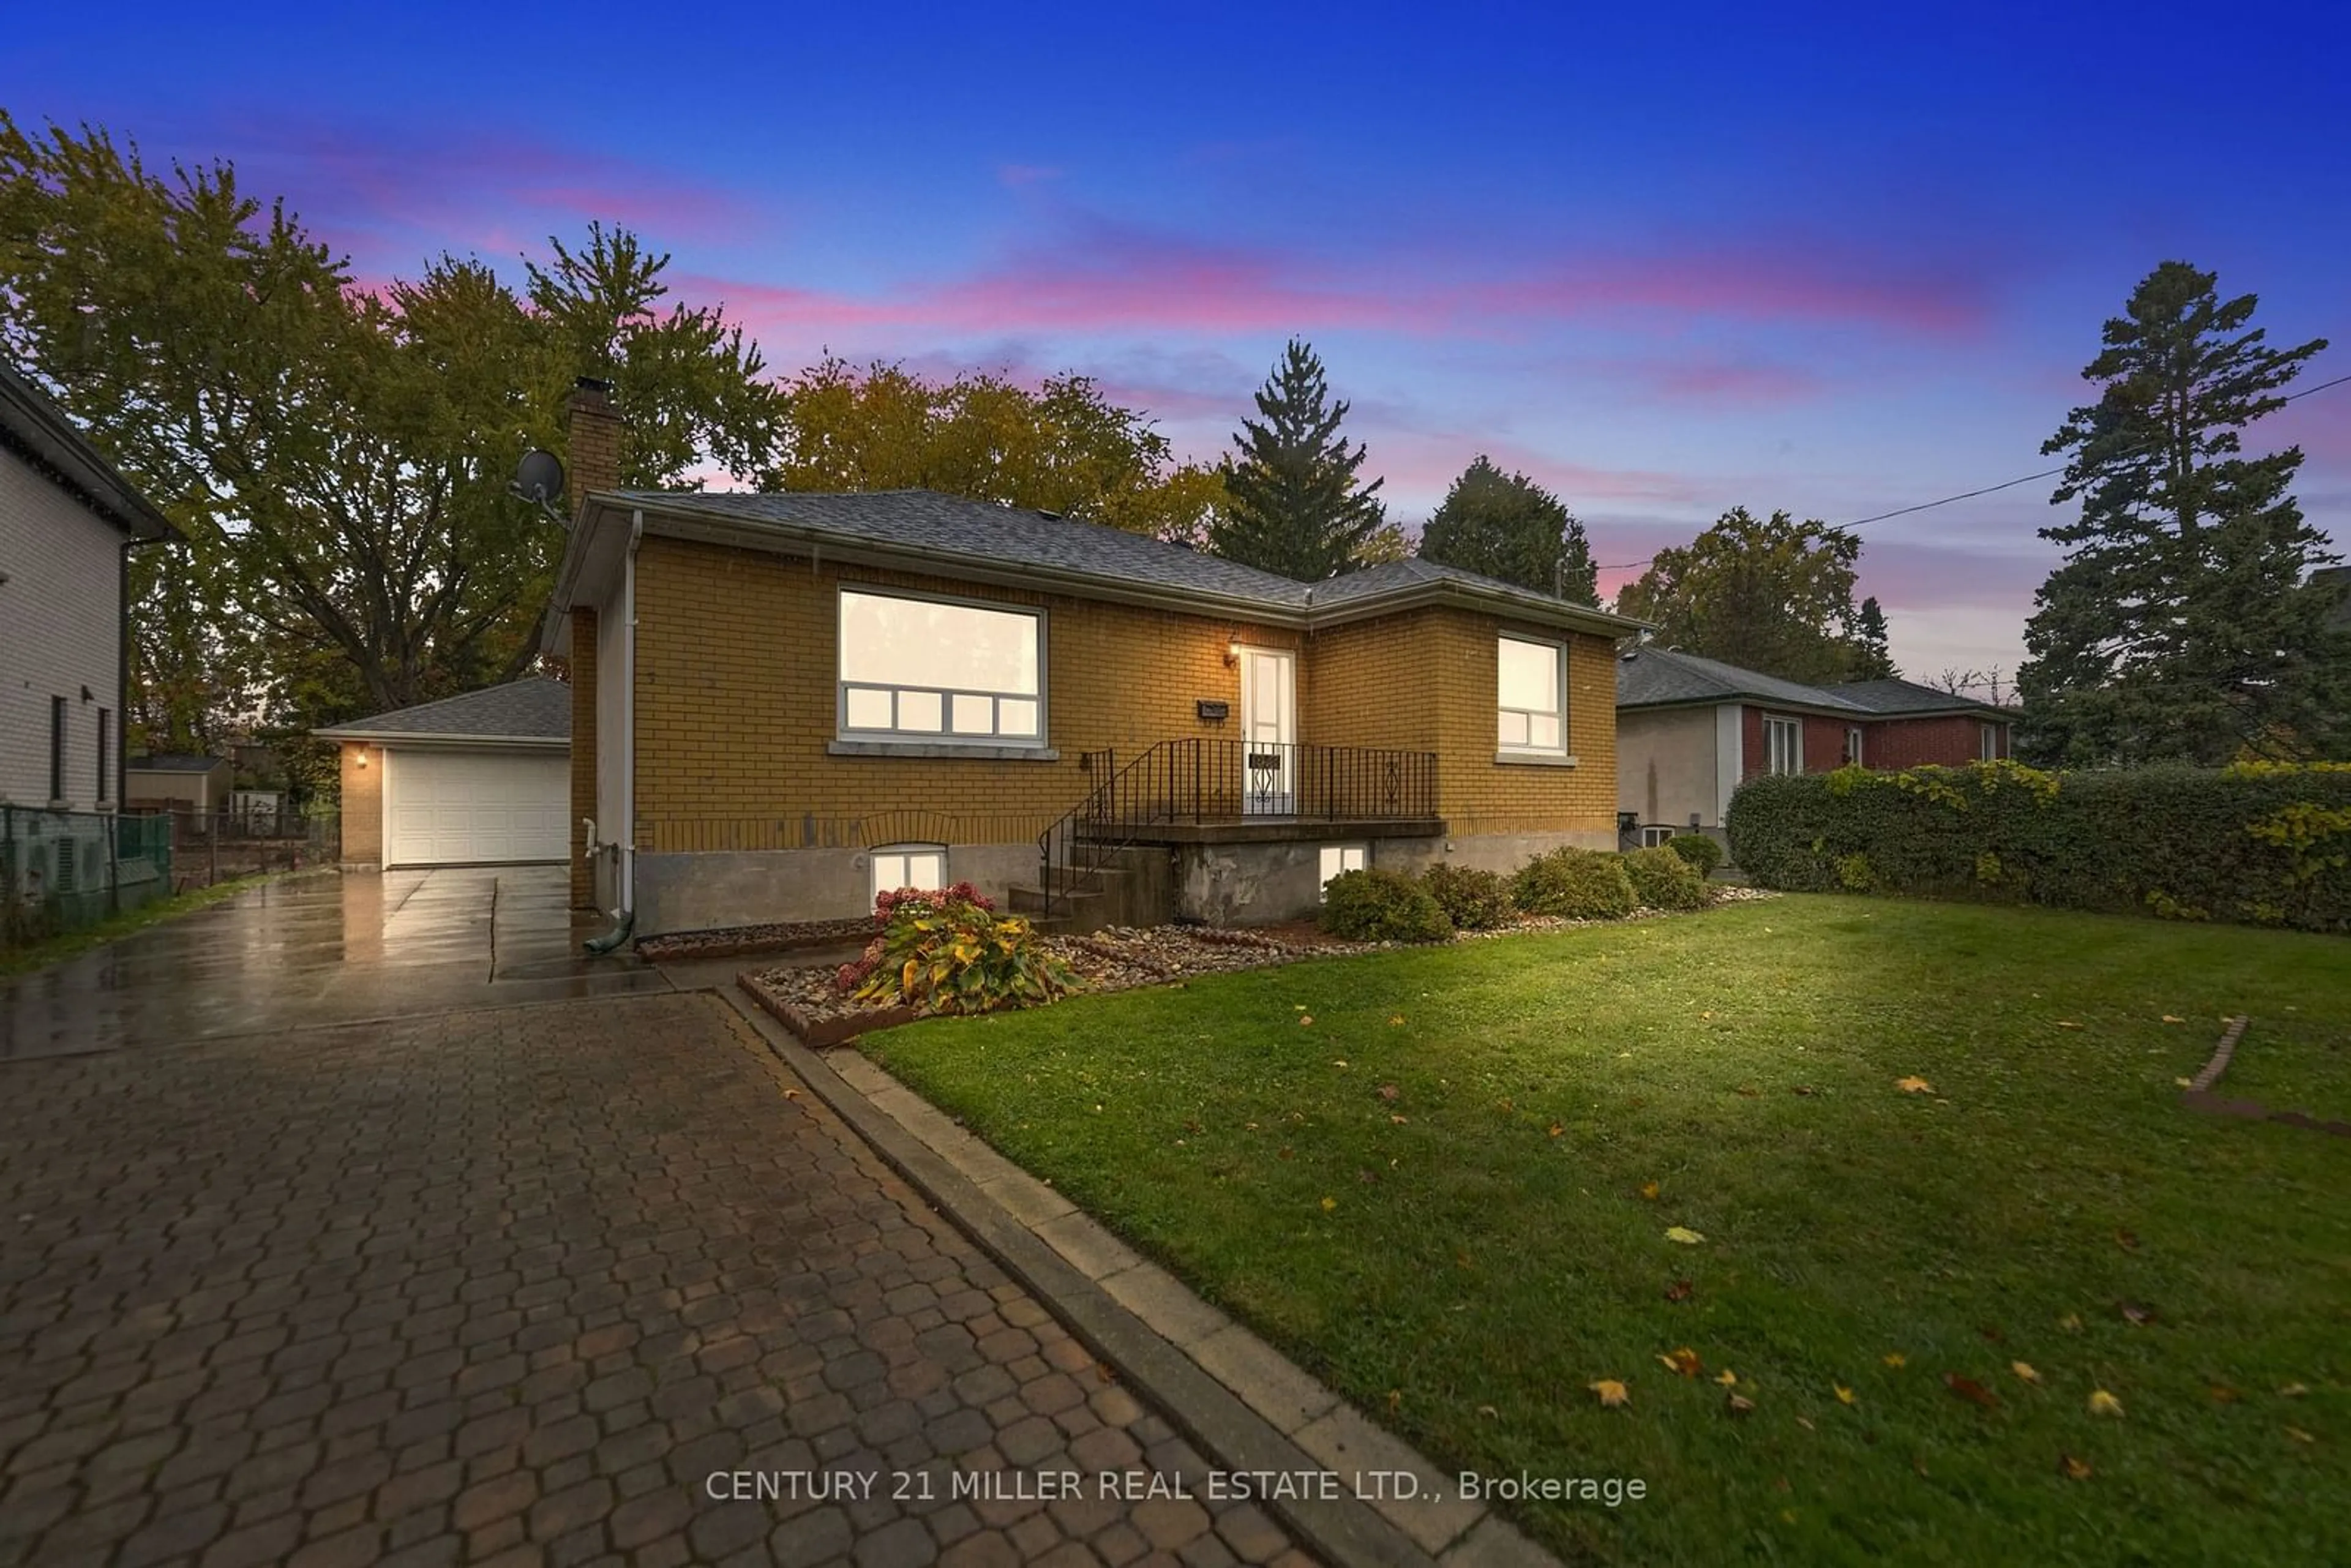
460	808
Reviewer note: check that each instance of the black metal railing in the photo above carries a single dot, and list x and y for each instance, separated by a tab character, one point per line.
1198	780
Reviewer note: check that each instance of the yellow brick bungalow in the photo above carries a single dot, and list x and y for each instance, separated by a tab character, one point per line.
784	703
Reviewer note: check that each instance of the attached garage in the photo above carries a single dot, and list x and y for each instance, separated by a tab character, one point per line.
478	779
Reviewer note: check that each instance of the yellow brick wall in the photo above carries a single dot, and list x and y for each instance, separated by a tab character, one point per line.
735	708
362	804
1425	680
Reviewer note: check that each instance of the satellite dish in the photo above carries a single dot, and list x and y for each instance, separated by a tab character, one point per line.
539	476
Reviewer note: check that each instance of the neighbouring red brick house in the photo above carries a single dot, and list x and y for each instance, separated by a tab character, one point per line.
1689	731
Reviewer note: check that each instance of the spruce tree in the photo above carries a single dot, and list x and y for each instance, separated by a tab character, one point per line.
2183	625
1508	527
1293	504
1872	656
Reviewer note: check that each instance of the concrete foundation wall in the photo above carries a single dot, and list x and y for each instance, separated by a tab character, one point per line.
714	889
1260	883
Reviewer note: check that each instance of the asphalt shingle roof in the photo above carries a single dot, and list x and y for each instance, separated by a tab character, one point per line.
1660	677
533	709
953	526
174	762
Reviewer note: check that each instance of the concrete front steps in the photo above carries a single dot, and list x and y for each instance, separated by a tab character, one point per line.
1137	887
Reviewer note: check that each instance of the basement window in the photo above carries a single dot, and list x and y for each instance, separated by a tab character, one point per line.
1530	685
1655	838
908	865
1340	859
941	671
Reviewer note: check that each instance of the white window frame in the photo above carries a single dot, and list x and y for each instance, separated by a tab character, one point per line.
1774	726
1526	715
946	735
1344	858
1853	745
1987	741
1654	837
901	855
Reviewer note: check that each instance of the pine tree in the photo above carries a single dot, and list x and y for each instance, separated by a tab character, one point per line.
1293	504
2183	625
1508	527
1873	656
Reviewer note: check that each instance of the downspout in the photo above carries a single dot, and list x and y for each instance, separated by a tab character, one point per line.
625	846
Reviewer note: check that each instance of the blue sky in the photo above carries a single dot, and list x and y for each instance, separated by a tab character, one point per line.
1835	259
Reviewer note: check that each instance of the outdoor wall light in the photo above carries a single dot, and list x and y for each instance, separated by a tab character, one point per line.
363	757
1233	653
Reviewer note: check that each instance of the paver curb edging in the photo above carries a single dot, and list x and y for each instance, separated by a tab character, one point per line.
1345	1530
2199	1095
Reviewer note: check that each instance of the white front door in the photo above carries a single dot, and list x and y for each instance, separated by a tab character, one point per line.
1268	731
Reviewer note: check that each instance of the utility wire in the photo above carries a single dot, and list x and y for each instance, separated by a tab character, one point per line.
1986	490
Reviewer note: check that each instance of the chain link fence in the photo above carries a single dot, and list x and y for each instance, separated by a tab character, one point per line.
62	871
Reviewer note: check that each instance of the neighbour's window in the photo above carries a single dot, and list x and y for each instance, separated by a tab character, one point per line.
1532	689
1340	859
1783	744
1653	837
105	725
909	865
1852	747
56	748
1990	741
936	670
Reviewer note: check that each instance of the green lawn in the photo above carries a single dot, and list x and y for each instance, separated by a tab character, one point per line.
54	950
1466	1257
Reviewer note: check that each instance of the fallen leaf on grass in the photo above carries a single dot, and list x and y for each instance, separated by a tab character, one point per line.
1329	1204
1726	1378
2105	1403
2133	1312
2126	1240
1895	1358
1683	1234
1914	1085
1396	1121
2299	1436
1556	1129
1807	1425
1396	1021
1488	1411
2067	1023
1285	1152
2172	1018
1649	1190
1684	1361
1803	1089
1845	1394
1748	1091
1611	1394
1680	1291
2071	1322
2071	1468
1968	1388
2225	1395
1396	1400
1390	1093
2292	1391
1738	1404
2024	1369
2185	1083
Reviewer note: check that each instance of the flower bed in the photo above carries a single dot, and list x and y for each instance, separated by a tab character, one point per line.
810	1001
739	941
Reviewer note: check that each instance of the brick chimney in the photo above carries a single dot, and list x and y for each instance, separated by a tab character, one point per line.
595	464
595	440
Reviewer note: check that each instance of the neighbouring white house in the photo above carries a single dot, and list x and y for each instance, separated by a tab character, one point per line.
483	778
67	519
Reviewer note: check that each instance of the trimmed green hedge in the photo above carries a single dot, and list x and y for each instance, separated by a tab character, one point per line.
1574	884
1378	905
2260	843
1664	880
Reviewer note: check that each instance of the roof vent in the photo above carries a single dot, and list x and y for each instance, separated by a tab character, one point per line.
1629	655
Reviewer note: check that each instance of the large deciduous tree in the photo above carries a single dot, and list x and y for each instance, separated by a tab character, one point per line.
1508	527
1293	503
338	455
2184	624
1771	594
1063	447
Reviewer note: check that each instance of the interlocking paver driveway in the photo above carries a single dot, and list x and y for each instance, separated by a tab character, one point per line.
508	1286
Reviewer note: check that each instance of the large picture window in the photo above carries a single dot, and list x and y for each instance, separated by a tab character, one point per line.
1531	685
935	669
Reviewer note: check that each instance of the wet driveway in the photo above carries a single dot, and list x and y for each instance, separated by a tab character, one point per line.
321	949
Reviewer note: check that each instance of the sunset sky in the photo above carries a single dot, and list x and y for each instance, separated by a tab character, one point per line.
1835	259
